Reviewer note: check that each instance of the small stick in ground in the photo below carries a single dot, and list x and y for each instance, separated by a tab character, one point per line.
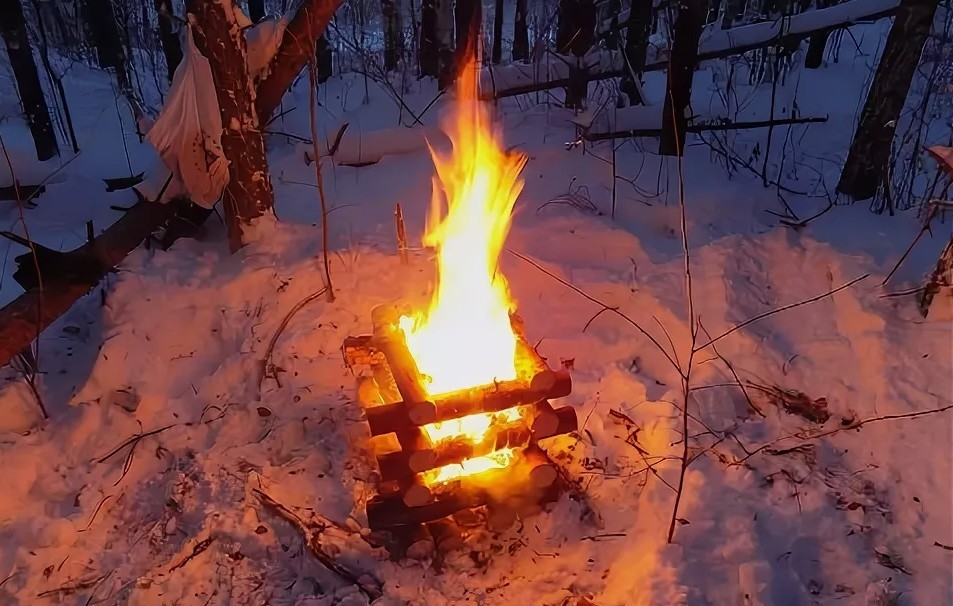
401	234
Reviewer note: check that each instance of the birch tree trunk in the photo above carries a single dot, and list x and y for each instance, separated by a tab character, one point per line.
27	79
869	152
520	33
219	38
681	71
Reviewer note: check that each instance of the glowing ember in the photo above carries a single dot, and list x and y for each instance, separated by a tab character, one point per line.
475	427
496	460
478	184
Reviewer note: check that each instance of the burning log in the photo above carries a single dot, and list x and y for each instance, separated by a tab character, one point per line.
487	399
401	464
391	343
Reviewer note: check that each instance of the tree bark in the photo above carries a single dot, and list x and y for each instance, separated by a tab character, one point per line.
817	44
27	79
520	33
294	52
636	48
429	57
106	37
393	36
681	71
24	318
575	34
171	45
248	194
497	56
445	67
869	152
256	10
469	15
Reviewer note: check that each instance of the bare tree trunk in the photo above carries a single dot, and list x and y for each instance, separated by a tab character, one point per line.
497	57
469	15
171	45
248	194
520	33
393	36
870	150
575	34
444	26
636	48
27	79
55	80
324	58
429	55
296	49
814	57
681	71
106	37
256	10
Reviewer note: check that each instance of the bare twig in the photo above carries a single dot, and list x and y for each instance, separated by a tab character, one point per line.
313	73
605	308
778	310
854	425
690	302
266	360
312	534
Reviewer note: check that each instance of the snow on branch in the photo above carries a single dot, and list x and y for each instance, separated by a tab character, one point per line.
716	43
646	121
552	71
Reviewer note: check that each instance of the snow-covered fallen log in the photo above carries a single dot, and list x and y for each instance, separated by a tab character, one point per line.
716	43
553	71
359	148
646	121
356	147
24	318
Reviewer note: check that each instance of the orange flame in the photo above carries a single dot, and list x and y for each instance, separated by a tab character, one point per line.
477	184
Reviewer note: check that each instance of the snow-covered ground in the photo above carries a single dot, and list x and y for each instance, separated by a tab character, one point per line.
853	517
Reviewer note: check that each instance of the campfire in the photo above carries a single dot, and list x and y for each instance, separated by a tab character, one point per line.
457	398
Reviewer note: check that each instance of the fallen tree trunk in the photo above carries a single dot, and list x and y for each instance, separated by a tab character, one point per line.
701	128
23	319
715	44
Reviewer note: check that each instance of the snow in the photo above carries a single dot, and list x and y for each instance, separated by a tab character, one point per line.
263	40
182	333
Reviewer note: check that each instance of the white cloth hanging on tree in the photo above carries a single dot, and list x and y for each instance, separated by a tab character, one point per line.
188	132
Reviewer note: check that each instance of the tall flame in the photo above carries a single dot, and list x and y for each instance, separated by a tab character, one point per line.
477	184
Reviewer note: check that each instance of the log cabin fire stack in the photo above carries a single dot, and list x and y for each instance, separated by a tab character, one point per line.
428	472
